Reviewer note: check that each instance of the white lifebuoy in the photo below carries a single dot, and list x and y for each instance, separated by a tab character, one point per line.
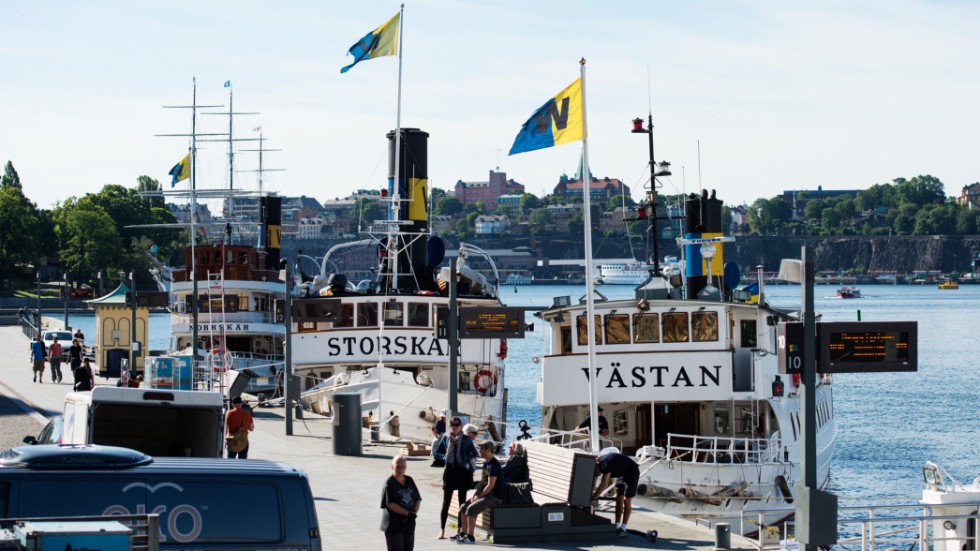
484	380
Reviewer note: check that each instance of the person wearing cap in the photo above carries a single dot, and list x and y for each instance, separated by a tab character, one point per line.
439	427
612	466
236	418
489	493
457	477
586	424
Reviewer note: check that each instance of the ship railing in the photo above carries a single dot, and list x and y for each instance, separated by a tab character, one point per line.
868	527
574	439
230	317
694	448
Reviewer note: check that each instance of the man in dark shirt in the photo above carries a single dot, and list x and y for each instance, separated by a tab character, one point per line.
489	493
613	466
603	424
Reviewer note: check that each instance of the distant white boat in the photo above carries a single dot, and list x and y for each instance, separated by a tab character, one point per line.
630	273
848	292
518	279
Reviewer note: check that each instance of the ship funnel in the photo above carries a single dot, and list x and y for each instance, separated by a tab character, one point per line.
705	258
270	216
411	210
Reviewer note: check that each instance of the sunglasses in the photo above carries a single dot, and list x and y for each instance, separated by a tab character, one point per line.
455	425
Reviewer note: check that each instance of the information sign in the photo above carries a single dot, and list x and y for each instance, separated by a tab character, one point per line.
478	322
868	347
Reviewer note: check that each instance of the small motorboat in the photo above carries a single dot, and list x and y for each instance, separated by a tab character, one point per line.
948	285
848	292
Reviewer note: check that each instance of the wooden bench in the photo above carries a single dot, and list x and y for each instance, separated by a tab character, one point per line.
562	480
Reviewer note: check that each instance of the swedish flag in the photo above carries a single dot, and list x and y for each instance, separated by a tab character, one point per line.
556	122
377	43
181	171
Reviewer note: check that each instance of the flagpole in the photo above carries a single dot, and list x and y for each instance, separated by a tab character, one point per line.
194	305
395	195
589	283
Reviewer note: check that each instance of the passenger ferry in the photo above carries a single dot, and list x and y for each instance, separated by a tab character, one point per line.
384	338
240	318
629	273
690	385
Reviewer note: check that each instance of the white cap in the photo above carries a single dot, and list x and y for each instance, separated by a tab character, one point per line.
443	412
604	452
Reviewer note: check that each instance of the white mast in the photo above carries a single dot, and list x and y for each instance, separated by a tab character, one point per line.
589	284
395	195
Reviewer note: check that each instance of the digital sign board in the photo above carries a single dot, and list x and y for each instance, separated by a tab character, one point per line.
868	347
478	322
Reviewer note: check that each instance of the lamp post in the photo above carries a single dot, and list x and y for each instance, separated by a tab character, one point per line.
37	311
661	169
67	295
132	303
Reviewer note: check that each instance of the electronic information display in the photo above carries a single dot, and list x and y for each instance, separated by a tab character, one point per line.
479	322
868	347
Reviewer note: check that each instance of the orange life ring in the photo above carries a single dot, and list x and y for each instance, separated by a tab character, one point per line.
503	349
481	378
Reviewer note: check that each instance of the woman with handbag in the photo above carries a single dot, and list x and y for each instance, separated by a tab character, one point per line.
457	477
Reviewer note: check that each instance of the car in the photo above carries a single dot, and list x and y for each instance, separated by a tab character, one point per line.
50	434
64	339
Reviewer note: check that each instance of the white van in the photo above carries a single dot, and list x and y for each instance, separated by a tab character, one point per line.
162	423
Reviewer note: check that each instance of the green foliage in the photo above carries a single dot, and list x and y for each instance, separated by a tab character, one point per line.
576	224
449	206
89	240
10	177
19	224
617	201
769	216
145	184
529	202
540	221
364	213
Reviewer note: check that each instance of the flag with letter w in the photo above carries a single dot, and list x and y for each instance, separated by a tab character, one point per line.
377	43
181	171
556	122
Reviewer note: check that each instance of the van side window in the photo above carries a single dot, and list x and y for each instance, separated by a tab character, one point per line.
4	499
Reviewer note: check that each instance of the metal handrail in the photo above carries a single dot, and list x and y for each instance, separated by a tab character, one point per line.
723	449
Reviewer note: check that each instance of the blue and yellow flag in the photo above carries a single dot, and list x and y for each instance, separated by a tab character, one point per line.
556	122
181	171
377	43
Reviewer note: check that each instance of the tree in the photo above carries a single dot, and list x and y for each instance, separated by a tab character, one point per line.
529	202
449	206
617	201
540	221
365	212
145	184
576	224
10	177
769	216
920	191
19	225
89	240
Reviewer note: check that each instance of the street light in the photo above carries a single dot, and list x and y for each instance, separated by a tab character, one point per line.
661	169
67	295
37	311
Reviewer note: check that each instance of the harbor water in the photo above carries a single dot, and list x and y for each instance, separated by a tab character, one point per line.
888	424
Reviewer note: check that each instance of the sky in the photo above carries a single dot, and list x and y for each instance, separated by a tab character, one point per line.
751	98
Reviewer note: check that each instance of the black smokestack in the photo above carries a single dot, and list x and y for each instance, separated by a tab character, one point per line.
413	191
270	215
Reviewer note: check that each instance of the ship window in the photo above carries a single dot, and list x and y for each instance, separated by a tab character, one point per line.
746	329
418	314
346	316
394	314
646	328
705	326
675	327
620	422
566	339
243	258
231	303
229	256
367	314
617	329
583	330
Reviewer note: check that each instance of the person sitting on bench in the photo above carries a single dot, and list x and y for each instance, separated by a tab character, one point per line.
515	470
489	493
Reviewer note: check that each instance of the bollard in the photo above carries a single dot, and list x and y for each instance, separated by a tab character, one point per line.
346	425
723	536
